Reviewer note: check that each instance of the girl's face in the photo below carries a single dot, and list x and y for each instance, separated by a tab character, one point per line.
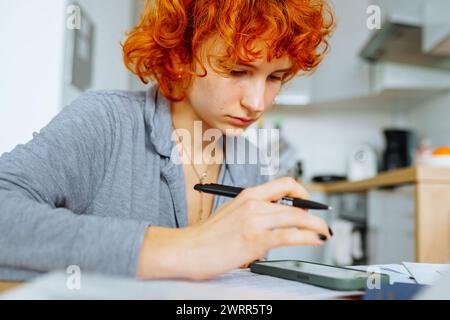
247	93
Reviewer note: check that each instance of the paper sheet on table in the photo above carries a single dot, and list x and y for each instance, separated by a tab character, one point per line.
439	291
426	273
239	284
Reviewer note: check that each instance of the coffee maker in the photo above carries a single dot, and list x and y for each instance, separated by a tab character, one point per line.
399	149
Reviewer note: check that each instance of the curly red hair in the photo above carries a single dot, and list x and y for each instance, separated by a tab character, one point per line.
173	30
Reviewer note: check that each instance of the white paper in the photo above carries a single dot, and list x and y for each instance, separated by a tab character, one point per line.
439	291
426	273
237	285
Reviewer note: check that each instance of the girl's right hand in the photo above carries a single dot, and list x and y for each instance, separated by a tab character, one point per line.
240	231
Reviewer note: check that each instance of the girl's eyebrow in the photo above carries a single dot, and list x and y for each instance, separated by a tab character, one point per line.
284	70
254	67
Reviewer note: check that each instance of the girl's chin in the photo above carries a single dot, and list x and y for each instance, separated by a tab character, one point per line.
233	132
227	129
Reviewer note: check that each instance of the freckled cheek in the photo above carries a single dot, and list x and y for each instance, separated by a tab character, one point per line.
205	95
217	105
214	102
230	102
218	95
226	95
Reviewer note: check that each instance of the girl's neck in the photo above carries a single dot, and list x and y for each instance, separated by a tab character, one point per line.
184	117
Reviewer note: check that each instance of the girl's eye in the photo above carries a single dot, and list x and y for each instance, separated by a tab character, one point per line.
237	72
274	78
242	72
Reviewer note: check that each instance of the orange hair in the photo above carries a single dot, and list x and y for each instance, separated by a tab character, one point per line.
173	30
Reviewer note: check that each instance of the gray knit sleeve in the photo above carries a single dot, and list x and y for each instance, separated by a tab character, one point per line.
45	187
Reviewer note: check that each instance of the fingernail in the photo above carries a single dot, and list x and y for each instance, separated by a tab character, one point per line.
331	231
322	237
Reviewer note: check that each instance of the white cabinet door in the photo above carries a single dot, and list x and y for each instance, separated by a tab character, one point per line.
391	225
408	11
343	74
436	29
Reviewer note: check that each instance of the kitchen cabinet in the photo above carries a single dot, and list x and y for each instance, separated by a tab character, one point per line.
391	79
436	27
430	15
370	66
412	33
391	225
413	222
408	11
343	74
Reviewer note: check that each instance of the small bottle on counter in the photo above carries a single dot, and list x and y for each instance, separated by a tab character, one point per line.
299	171
424	152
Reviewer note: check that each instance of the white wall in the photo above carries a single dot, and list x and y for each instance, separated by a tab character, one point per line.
325	134
324	137
135	83
112	18
431	119
34	60
31	64
343	74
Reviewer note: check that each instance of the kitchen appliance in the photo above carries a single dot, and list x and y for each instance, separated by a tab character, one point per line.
413	32
328	178
363	163
399	149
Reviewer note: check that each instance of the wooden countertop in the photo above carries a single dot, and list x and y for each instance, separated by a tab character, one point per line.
5	286
419	174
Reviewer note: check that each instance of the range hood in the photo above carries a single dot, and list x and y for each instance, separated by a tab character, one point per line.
402	41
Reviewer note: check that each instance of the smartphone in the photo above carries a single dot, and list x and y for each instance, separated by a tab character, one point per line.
331	277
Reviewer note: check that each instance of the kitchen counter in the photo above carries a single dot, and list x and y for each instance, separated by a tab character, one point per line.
6	286
419	174
432	205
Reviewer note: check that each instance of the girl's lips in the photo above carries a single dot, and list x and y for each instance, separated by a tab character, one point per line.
239	121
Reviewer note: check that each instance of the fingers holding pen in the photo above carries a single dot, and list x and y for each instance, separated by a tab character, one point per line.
294	237
278	225
272	224
273	215
276	189
303	222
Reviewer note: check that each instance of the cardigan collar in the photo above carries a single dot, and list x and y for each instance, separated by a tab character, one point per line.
159	121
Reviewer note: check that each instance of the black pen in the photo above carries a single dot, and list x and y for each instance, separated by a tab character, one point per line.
229	191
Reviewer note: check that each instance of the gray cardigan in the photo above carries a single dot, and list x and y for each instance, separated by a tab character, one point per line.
85	188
